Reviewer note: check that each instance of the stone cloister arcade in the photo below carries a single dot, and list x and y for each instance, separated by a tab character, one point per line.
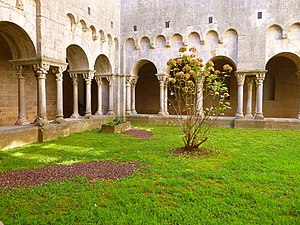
35	89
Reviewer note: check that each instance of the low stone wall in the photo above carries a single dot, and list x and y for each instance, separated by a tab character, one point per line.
11	137
15	136
148	120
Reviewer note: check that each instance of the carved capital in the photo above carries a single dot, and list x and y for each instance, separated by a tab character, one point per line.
20	74
260	77
99	80
74	76
58	71
41	70
133	80
240	78
110	80
162	78
88	76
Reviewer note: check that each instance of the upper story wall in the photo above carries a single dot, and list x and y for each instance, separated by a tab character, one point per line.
188	16
53	25
93	25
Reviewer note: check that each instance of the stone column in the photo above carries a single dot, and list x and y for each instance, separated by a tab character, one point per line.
133	85
249	82
99	84
111	95
74	77
166	97
199	95
59	95
298	75
88	76
161	79
259	95
128	96
41	71
240	78
21	96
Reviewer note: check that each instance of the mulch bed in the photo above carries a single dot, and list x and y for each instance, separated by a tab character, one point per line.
92	170
138	133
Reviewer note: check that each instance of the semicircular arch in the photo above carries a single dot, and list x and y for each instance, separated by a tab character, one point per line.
102	65
18	40
77	58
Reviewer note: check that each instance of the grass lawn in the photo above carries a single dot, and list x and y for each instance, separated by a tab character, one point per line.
255	179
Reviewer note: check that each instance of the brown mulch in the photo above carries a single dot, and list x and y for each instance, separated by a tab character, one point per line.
92	170
138	133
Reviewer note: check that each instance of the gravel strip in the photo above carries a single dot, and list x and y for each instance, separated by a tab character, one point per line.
138	133
91	170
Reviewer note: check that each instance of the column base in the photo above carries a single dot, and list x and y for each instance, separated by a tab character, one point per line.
249	116
299	116
133	112
259	116
111	113
88	116
22	121
41	122
99	113
59	120
167	113
239	116
162	113
75	115
128	112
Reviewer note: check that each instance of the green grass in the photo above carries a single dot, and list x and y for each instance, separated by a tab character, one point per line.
253	180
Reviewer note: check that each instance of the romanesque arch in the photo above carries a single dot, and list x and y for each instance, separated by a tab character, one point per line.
103	73
281	86
15	44
78	64
147	87
230	81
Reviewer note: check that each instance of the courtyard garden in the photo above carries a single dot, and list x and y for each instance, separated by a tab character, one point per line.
242	177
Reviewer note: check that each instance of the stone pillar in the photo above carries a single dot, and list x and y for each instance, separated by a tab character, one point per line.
111	95
199	95
59	95
21	97
128	96
161	79
88	76
249	82
133	85
99	84
240	78
74	77
41	71
166	97
298	75
259	95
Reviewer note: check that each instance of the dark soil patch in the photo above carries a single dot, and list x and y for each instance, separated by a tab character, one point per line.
195	152
138	133
92	170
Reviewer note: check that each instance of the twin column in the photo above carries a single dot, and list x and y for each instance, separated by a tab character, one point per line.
130	94
163	93
88	76
249	77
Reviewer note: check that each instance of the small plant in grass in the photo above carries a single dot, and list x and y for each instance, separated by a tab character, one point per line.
116	121
192	82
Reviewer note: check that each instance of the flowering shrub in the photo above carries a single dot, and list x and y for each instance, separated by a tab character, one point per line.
191	81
